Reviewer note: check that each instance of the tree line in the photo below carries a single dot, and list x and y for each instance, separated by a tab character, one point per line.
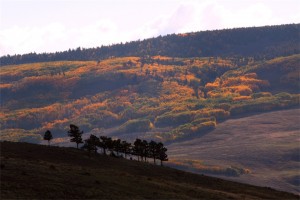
258	42
117	148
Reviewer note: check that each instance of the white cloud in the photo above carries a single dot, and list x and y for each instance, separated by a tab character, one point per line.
185	16
95	34
192	16
56	37
31	39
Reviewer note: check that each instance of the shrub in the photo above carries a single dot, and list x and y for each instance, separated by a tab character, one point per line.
283	96
192	128
241	98
201	120
261	94
136	125
224	106
173	119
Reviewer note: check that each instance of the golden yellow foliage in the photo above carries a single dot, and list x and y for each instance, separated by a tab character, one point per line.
241	98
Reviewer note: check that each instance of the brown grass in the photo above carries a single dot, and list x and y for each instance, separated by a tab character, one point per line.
266	144
39	172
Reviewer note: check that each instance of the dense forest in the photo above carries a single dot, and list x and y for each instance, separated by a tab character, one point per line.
259	42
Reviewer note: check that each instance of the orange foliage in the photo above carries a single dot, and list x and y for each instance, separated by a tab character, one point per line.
241	98
5	85
251	75
213	86
92	107
243	90
55	123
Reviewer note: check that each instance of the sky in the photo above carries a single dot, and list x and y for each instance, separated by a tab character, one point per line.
57	25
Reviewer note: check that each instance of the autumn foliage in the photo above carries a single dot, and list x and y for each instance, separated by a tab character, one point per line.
141	94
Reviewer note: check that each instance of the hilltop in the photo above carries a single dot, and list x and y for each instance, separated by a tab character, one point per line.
259	42
35	171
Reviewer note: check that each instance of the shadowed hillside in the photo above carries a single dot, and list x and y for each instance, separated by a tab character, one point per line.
262	149
39	172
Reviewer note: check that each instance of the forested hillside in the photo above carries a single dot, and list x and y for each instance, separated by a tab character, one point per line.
157	97
256	42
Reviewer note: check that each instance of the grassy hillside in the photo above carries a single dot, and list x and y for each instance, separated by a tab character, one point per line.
156	97
262	149
39	172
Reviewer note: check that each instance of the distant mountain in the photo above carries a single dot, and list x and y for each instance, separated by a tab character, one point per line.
40	172
259	42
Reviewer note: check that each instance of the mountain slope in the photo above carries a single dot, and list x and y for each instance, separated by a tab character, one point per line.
34	171
262	149
177	97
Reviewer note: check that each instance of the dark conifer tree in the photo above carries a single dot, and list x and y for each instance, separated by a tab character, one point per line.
116	146
76	134
91	143
163	156
137	148
105	143
145	150
153	150
161	153
48	136
126	148
89	146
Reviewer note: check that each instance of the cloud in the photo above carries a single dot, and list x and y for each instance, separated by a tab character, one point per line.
190	16
94	34
56	37
31	39
184	16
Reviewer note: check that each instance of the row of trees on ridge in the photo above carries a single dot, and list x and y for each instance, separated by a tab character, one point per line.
140	148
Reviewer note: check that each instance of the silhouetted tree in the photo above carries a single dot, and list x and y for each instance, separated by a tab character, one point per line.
144	150
116	146
137	148
126	148
48	136
161	153
153	150
76	134
105	143
90	144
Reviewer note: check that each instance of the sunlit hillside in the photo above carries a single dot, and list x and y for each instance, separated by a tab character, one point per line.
164	98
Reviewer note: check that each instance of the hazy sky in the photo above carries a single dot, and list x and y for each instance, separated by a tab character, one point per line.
56	25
